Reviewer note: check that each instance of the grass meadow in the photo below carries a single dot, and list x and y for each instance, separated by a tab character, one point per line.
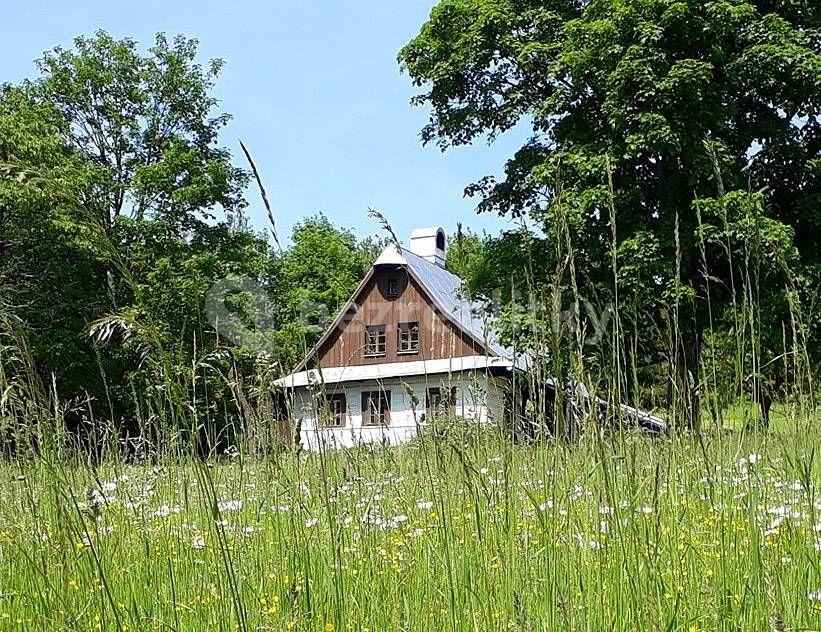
460	531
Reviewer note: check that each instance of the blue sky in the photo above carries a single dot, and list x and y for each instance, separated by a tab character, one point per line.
315	92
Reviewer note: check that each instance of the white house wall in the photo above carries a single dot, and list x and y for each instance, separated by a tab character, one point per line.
478	397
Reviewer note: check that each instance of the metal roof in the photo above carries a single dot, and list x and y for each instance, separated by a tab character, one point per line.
448	293
356	373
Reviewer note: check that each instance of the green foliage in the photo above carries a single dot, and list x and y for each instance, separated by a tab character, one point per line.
145	125
500	268
324	264
111	172
465	253
50	273
638	85
311	281
111	182
640	111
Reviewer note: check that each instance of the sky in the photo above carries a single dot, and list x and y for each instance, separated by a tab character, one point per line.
315	92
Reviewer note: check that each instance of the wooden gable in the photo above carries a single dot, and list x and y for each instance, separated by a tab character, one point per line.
390	297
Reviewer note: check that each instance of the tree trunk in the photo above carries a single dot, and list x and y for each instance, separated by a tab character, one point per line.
684	392
766	404
761	392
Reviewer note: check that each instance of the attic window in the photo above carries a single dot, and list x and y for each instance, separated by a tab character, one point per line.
408	338
393	287
375	340
440	240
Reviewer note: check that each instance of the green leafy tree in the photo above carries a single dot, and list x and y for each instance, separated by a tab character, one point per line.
112	182
321	269
147	127
621	96
50	272
121	217
465	253
503	268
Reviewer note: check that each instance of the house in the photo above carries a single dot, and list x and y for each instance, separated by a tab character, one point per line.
407	347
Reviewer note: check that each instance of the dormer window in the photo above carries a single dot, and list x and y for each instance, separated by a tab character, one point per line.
375	340
393	286
408	338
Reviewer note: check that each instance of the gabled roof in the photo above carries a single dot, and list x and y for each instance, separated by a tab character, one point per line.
445	290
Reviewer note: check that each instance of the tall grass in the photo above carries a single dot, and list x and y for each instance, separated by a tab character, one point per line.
443	533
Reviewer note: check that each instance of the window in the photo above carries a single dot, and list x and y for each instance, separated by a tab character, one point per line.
374	340
393	287
440	240
337	410
376	408
440	402
408	338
